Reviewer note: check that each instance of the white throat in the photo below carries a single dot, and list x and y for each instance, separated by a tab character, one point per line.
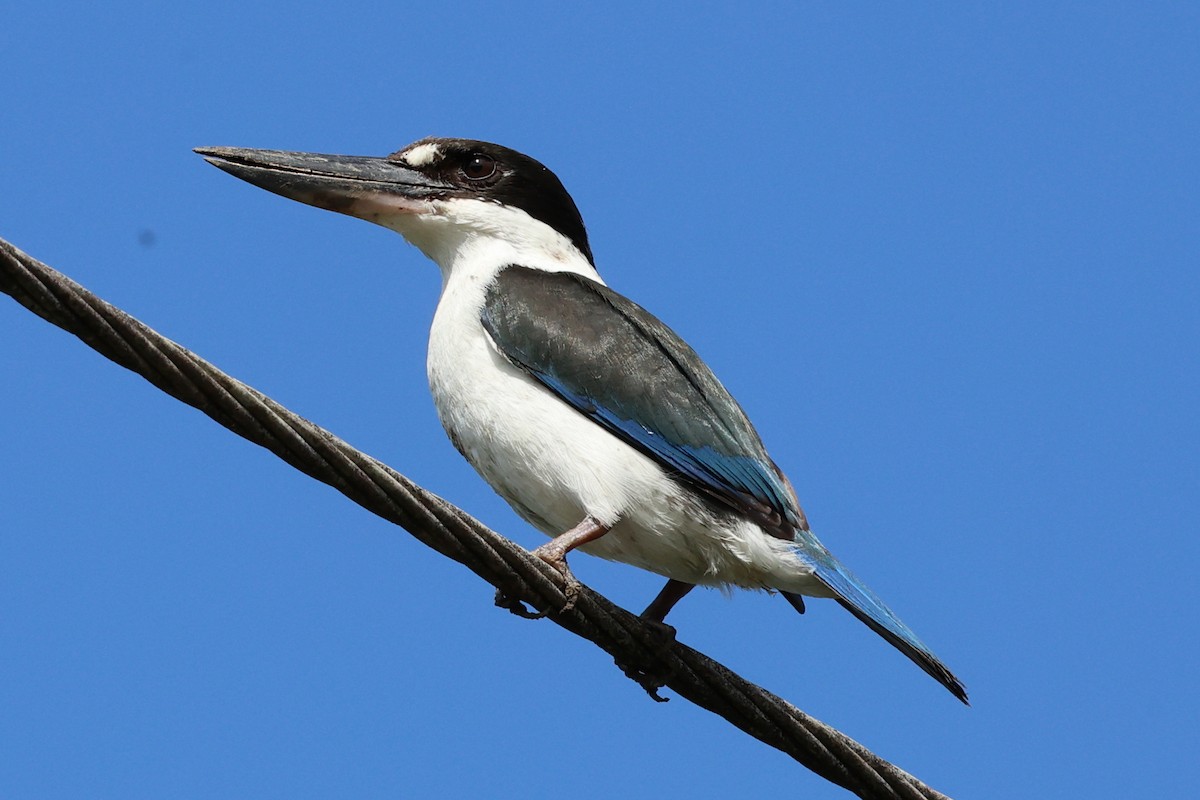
475	239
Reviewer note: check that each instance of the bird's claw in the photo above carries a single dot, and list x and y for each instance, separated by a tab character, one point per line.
556	557
514	605
571	588
662	638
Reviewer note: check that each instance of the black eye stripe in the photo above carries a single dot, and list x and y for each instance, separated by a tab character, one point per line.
496	174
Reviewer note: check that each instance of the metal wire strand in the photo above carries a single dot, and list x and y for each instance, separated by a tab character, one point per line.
640	649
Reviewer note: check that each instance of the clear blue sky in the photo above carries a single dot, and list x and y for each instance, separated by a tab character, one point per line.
947	258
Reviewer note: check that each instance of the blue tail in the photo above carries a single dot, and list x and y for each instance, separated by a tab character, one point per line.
864	604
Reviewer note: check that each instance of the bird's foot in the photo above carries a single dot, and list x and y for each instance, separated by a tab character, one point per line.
663	633
514	605
555	555
659	641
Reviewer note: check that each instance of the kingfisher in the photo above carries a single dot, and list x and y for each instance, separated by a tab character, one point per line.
595	421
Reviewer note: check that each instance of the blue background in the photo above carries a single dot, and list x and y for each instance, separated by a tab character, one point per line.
946	257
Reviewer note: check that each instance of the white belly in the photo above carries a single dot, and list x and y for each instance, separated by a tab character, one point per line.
555	466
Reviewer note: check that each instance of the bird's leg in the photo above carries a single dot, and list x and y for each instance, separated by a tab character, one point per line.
554	553
660	606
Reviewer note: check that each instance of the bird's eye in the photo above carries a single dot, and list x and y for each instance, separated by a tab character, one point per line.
478	167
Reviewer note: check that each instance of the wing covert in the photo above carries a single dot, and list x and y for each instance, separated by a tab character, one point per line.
624	369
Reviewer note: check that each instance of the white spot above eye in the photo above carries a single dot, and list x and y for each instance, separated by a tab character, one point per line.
422	155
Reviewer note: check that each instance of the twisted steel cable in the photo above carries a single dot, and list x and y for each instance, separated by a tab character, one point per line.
521	579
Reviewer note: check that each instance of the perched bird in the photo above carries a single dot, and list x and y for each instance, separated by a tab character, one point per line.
593	419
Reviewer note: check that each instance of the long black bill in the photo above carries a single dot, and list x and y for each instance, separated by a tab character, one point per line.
361	186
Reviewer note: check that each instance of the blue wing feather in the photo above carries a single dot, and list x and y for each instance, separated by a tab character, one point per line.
620	366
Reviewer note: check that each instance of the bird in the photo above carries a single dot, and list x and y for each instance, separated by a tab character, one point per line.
595	421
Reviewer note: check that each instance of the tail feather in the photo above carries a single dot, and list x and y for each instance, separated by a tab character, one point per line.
797	600
866	605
